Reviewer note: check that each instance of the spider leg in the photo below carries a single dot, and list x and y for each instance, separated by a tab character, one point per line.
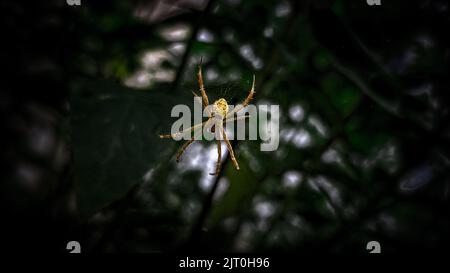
207	110
184	131
202	87
230	149
182	149
219	158
246	101
189	142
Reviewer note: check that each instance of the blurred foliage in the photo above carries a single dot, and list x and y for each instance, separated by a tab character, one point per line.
364	127
124	144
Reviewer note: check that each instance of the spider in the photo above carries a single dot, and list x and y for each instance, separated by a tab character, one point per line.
218	115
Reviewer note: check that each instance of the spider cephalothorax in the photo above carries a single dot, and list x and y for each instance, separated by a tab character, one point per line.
219	114
220	107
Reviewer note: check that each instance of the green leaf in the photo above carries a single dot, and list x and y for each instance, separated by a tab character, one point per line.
321	60
346	101
115	140
364	137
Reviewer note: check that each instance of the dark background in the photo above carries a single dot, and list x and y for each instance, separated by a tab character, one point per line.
364	128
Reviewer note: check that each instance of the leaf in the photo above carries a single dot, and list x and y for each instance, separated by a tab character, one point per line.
115	140
364	137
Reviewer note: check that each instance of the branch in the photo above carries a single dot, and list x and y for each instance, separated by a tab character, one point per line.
207	205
